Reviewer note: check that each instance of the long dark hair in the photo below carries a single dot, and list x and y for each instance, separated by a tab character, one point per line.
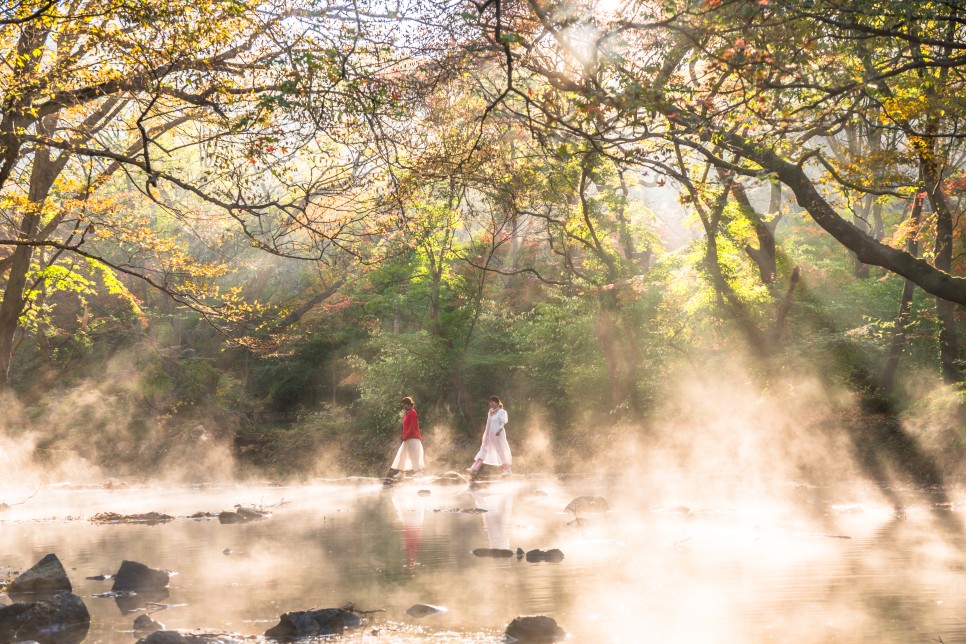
497	400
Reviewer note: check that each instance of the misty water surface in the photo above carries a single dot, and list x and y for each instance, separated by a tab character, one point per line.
799	567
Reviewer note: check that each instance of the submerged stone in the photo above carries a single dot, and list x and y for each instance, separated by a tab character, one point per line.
144	624
149	518
553	555
588	504
535	629
493	552
312	623
251	514
60	619
242	515
231	517
100	577
422	610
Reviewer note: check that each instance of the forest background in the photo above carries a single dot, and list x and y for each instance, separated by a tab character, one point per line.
234	233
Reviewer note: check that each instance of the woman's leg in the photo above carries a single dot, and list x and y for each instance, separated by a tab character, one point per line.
479	458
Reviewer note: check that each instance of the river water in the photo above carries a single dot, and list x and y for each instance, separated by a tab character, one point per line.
805	566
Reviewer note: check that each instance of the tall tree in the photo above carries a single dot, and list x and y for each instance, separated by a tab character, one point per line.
760	90
250	114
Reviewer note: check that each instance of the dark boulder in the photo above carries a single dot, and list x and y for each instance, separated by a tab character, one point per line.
251	514
144	624
242	515
45	578
231	517
422	610
535	629
139	578
166	637
553	555
588	504
60	619
493	552
312	623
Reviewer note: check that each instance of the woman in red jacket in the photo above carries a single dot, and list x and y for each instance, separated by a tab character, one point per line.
410	454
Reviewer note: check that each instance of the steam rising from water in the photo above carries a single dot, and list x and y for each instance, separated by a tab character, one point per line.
817	567
707	442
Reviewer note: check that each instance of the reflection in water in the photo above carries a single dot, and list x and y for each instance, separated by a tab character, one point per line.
798	570
498	505
411	512
134	602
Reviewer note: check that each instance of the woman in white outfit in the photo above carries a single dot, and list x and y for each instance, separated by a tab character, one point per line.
495	449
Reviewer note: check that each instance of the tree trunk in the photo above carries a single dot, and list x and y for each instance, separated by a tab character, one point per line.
764	256
620	351
933	160
898	344
860	270
758	341
42	175
512	279
945	310
786	306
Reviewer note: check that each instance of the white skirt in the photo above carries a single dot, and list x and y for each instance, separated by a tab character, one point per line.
409	456
495	450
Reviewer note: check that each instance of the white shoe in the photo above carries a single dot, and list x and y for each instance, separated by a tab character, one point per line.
471	470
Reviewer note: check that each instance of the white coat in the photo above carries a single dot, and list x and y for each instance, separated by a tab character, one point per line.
495	449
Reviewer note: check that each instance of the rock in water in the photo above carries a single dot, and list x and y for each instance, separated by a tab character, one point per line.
535	629
553	555
251	514
166	637
231	517
588	504
422	610
144	624
139	578
45	578
312	623
493	552
60	619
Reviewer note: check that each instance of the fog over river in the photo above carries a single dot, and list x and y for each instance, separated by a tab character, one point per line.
805	564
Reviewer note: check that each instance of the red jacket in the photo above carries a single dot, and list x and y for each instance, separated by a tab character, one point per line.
411	425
